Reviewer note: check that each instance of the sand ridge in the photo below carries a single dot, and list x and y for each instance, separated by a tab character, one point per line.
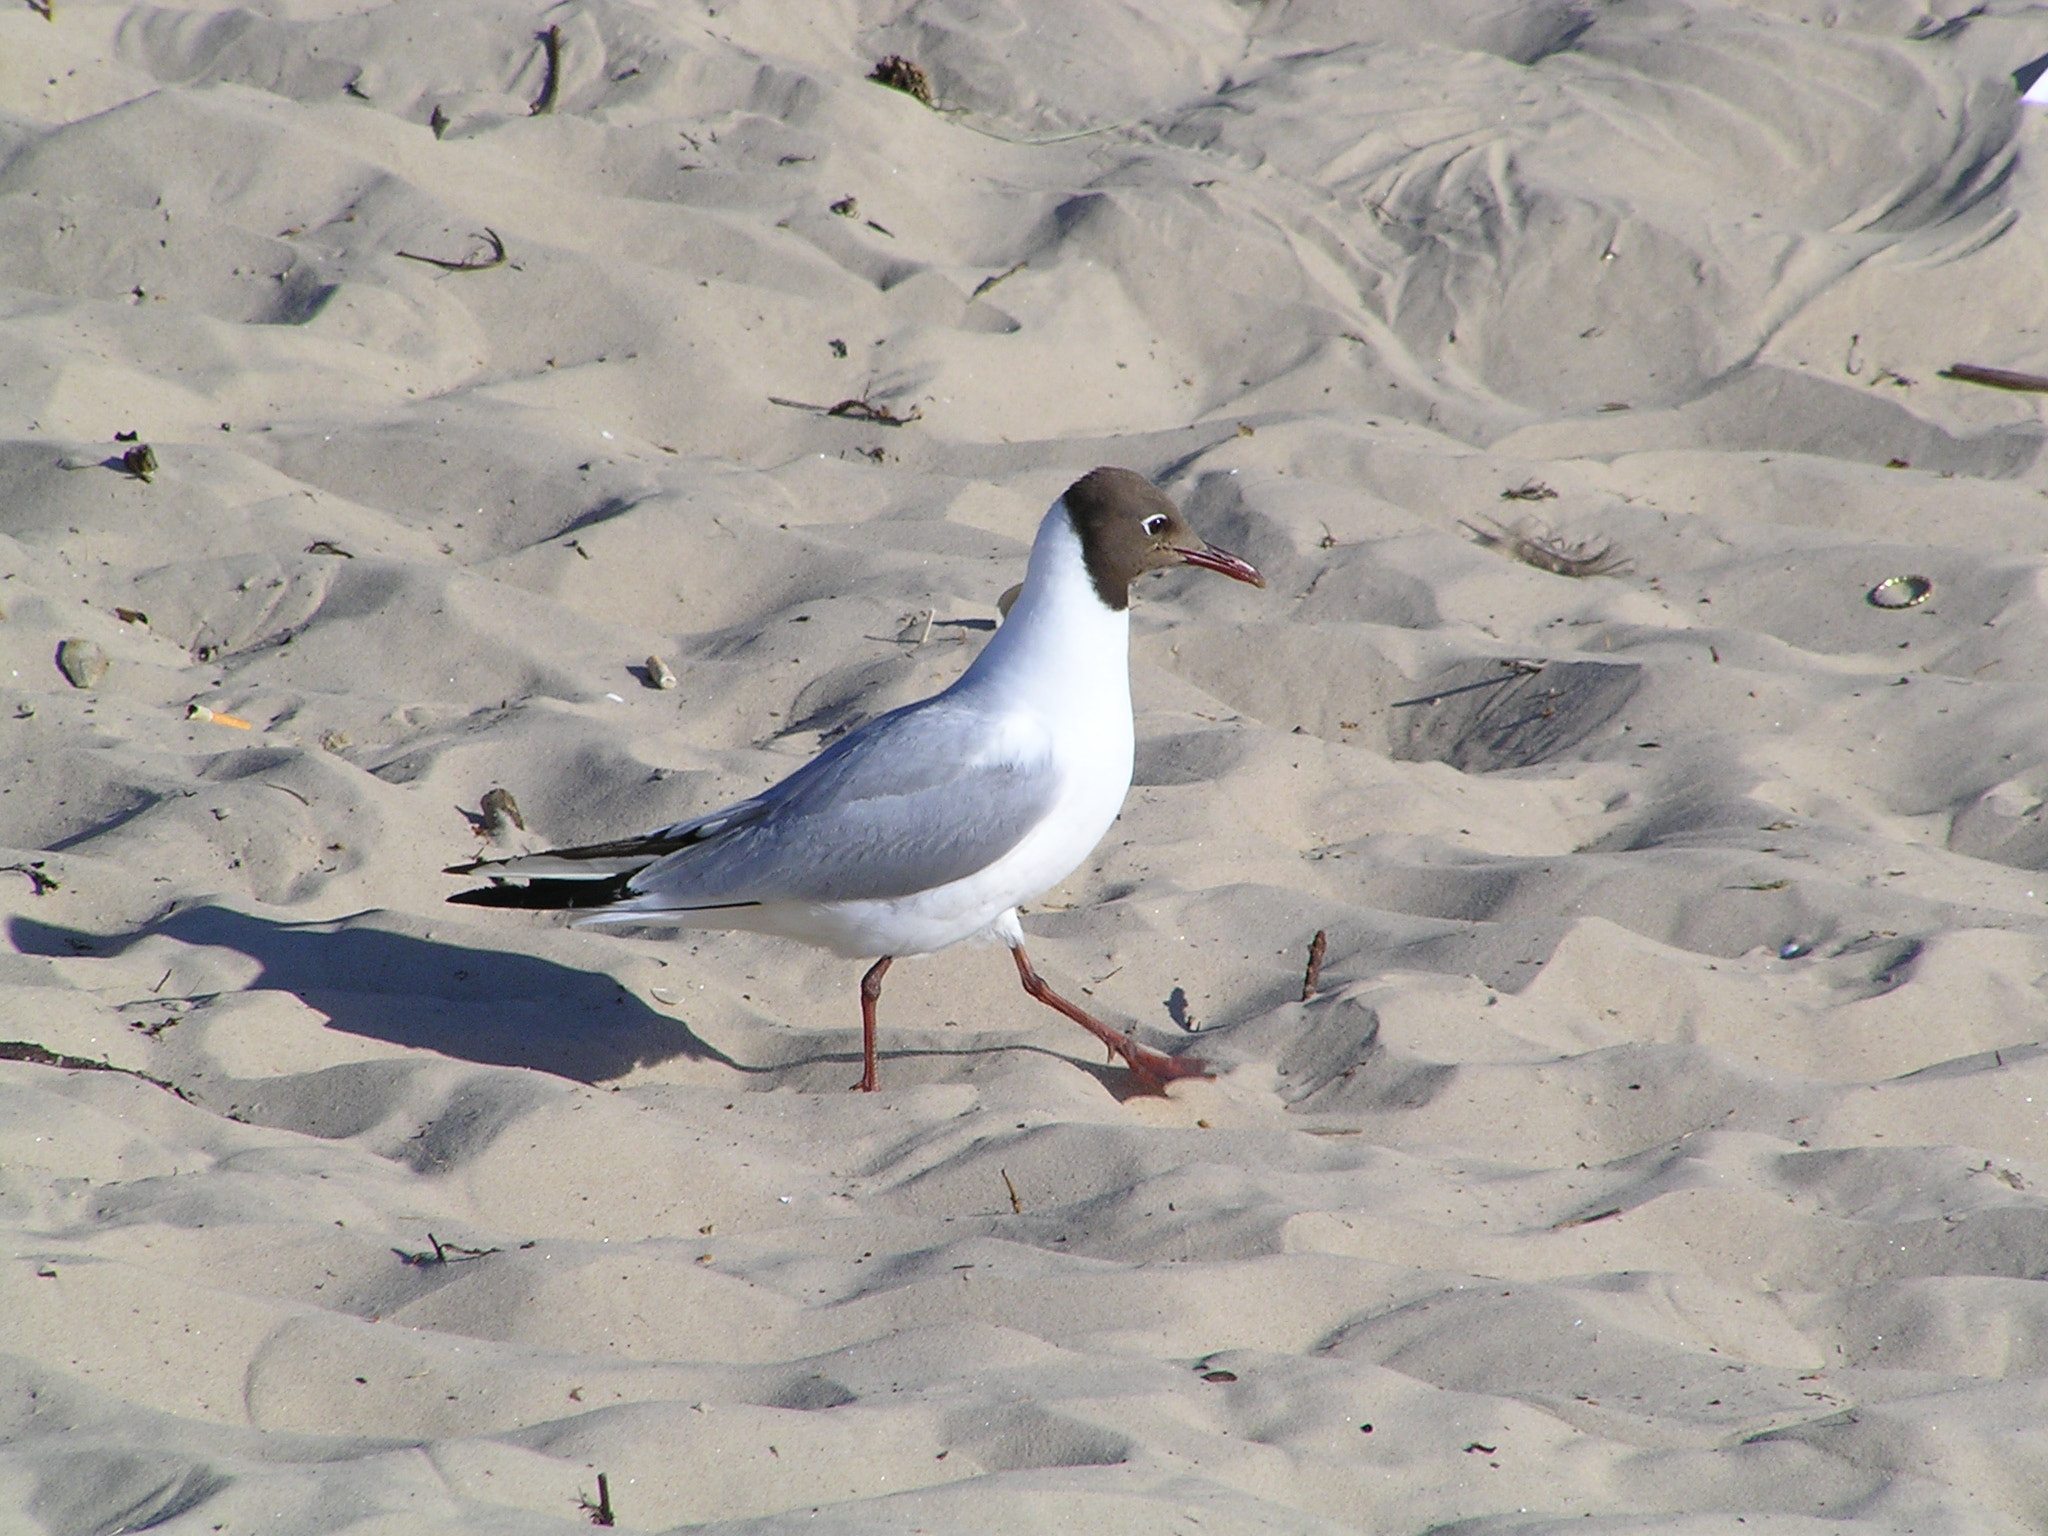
1665	1143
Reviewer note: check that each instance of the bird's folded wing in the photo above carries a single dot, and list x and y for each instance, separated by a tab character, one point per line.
621	856
916	799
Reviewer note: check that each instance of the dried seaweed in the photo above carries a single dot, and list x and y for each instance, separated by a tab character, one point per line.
864	409
39	882
467	264
1534	544
860	408
899	74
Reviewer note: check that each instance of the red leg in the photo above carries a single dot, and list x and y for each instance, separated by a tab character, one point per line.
870	994
1153	1069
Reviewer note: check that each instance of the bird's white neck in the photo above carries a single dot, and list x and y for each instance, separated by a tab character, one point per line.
1059	635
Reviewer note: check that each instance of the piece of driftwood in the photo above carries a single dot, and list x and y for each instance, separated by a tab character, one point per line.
1312	978
551	40
1996	378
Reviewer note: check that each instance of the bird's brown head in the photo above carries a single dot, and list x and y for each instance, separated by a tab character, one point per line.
1128	526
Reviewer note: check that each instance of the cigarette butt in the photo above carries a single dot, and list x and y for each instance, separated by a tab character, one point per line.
207	716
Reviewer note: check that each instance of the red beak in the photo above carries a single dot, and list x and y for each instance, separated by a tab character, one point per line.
1210	558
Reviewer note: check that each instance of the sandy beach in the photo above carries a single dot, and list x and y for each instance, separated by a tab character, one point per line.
1649	704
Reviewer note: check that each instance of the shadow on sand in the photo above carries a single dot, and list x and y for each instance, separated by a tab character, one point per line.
371	978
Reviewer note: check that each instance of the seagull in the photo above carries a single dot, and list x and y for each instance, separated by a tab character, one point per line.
930	824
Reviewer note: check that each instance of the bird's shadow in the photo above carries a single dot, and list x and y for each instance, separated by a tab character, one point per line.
370	978
494	1007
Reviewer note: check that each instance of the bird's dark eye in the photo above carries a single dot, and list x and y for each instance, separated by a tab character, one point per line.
1154	523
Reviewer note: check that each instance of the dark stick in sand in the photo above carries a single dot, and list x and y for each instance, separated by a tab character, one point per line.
864	409
42	883
551	40
1312	978
861	409
495	259
1996	378
989	282
43	1056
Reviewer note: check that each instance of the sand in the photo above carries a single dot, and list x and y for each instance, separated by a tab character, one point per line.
1664	1149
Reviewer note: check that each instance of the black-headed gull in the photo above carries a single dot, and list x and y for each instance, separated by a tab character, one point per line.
931	823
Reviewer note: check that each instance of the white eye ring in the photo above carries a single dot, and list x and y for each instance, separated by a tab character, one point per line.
1155	522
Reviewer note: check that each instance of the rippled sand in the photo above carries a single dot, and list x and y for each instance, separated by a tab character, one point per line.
1662	1145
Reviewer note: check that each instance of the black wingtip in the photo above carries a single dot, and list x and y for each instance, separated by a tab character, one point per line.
544	895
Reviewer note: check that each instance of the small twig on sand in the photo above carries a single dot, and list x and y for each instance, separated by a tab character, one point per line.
47	9
1995	378
444	1253
601	1511
42	883
1312	978
41	1056
551	40
989	282
861	409
495	259
1516	669
1586	1221
1016	1204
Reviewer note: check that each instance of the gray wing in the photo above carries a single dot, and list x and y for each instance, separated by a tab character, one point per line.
912	800
594	862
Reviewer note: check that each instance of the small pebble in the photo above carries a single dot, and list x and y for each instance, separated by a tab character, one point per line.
82	662
140	461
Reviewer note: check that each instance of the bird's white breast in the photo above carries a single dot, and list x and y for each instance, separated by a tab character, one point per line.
1054	688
